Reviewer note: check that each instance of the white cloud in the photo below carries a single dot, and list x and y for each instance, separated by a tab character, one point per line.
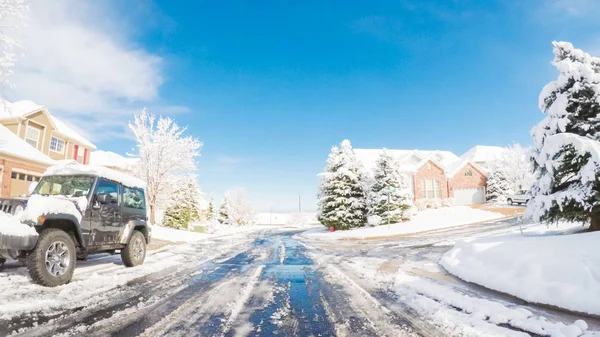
79	61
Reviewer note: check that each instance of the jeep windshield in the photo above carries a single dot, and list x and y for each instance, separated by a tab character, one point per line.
68	186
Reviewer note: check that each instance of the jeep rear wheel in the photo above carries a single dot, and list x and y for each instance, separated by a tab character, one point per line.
135	252
509	201
52	261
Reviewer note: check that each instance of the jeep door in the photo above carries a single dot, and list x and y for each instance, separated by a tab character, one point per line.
133	210
106	215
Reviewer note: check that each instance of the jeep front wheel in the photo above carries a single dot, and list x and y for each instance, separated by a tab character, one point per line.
52	261
135	252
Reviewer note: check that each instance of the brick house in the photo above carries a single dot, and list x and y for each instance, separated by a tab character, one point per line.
435	174
31	140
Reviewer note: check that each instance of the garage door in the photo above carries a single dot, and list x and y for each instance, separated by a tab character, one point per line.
468	196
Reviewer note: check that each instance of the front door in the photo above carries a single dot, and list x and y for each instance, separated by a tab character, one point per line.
106	218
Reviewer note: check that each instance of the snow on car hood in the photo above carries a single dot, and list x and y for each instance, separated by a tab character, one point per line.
38	205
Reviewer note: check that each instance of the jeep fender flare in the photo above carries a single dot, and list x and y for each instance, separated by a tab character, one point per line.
131	226
76	226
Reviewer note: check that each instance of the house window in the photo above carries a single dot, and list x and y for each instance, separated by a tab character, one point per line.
80	153
468	173
29	178
57	145
32	136
13	175
430	188
21	176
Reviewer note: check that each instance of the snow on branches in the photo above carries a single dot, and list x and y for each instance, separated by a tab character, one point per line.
12	16
167	158
239	209
389	196
566	156
342	192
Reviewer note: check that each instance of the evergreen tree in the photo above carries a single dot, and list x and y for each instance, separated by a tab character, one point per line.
566	155
342	201
498	186
389	185
211	211
185	207
224	211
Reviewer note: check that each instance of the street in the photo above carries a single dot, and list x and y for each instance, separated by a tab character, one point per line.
276	283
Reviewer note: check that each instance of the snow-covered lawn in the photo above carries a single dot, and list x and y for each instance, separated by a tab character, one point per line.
548	268
427	220
181	235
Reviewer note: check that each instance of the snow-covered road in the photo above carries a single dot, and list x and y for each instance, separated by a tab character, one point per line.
276	283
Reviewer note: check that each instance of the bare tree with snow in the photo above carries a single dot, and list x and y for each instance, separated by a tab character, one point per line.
12	16
518	168
167	157
239	209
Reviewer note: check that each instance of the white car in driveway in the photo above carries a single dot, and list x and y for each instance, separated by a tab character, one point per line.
521	197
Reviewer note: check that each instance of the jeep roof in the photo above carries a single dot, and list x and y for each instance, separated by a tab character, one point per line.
99	171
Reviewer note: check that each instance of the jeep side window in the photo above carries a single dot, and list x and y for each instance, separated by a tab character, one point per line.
105	187
134	198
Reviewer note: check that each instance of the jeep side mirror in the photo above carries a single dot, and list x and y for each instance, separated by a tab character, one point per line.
103	198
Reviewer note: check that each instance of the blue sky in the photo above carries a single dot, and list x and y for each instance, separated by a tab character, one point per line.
270	88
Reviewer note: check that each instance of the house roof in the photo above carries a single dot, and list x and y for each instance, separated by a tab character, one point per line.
110	159
482	153
409	160
25	108
12	145
453	169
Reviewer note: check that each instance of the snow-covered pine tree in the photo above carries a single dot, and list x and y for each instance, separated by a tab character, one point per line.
342	201
388	180
498	186
185	207
223	216
567	142
211	210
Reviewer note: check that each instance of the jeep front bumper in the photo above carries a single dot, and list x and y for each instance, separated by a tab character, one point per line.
17	242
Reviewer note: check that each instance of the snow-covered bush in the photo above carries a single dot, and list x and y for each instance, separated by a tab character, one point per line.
185	208
389	196
223	216
239	210
498	187
566	155
421	204
447	202
374	220
434	203
342	194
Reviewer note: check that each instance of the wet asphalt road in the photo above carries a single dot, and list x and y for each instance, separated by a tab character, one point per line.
273	284
268	288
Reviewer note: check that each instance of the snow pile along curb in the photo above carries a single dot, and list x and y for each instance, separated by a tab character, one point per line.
562	271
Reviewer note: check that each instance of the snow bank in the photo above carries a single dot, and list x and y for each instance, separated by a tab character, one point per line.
560	270
430	219
100	171
181	235
38	205
177	235
10	225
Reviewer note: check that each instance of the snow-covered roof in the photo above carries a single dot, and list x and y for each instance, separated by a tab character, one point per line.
13	145
484	154
111	159
409	160
453	168
65	130
100	171
25	107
